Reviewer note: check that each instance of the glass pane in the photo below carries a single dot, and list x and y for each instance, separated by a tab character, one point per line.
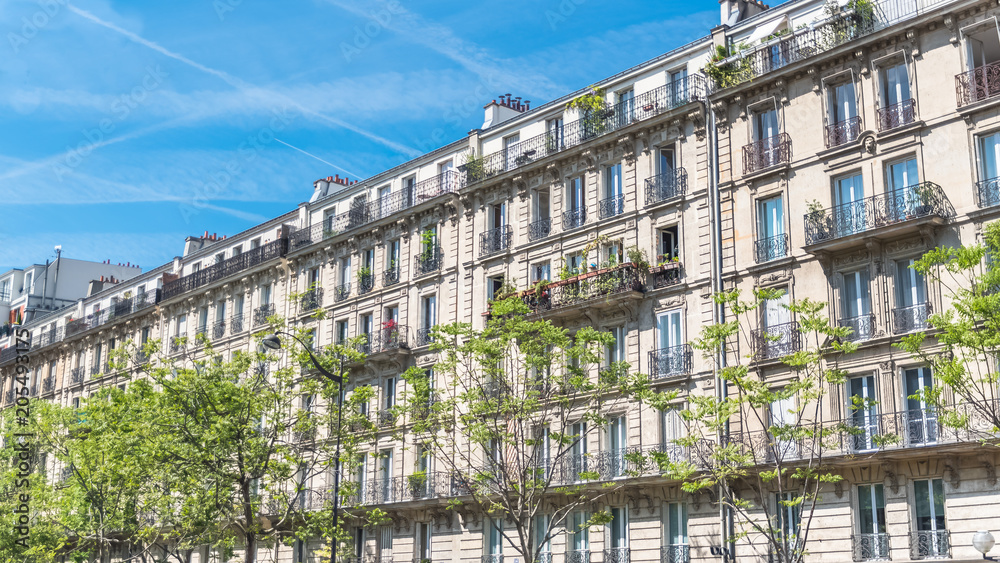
988	156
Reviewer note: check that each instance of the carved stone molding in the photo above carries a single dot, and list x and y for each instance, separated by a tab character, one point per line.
991	472
888	367
853	258
953	475
890	476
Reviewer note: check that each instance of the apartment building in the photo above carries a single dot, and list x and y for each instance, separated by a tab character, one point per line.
819	157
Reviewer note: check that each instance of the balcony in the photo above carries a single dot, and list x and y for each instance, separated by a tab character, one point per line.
843	132
424	337
910	319
988	193
495	240
767	153
430	260
226	268
896	115
666	275
862	327
672	362
895	213
870	547
617	555
48	384
492	558
389	339
236	324
219	329
261	314
666	186
574	218
311	299
930	544
675	554
978	85
95	370
777	341
770	248
341	292
390	277
366	283
611	207
578	556
611	281
539	229
76	376
176	344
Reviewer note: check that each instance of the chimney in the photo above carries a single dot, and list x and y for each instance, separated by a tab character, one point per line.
504	109
95	286
735	11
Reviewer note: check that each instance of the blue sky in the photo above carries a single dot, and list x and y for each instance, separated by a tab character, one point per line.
130	125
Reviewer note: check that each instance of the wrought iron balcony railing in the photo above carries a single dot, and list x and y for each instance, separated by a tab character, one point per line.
176	344
843	132
909	319
95	369
675	554
870	547
770	248
988	193
495	240
766	153
977	85
48	384
491	558
219	329
912	202
666	186
366	283
390	277
930	544
226	268
430	260
617	555
389	338
236	324
775	341
610	207
312	299
578	556
862	327
621	279
574	218
674	361
540	229
341	292
897	115
76	376
424	337
260	314
667	275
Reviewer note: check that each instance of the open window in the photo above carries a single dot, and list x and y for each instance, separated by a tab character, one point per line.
668	245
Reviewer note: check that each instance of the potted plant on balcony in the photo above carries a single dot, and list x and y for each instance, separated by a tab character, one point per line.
418	483
925	196
364	275
593	110
390	329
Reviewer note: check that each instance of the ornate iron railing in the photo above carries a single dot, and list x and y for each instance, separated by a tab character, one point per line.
540	229
236	324
578	556
862	327
843	132
930	544
341	292
978	84
574	218
312	299
765	153
988	193
76	376
610	207
675	554
119	309
674	361
667	275
95	369
389	338
909	319
897	115
430	260
48	384
386	418
424	337
219	329
666	186
617	555
260	314
390	277
366	283
226	268
775	341
491	558
176	344
622	279
770	248
870	547
495	240
919	200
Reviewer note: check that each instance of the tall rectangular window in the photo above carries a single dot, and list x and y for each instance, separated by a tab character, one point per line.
988	187
856	305
771	242
618	533
341	333
911	298
862	404
579	544
787	513
921	418
541	271
494	541
678	87
677	526
429	311
614	200
554	134
575	201
392	255
617	441
872	542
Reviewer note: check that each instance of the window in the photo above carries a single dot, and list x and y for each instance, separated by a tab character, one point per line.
615	351
988	188
921	418
578	448
429	311
203	320
409	187
896	103
844	125
220	311
574	263
932	534
494	287
391	316
784	416
424	542
543	537
541	271
579	531
911	298
779	338
787	516
29	282
626	107
765	124
901	179
668	245
219	257
97	357
389	393
511	157
340	332
5	290
576	213
614	202
617	442
392	256
494	541
265	295
872	541
541	225
671	356
367	324
863	407
671	430
856	305
255	243
771	241
614	254
678	87
384	201
849	215
385	475
618	534
982	47
498	216
554	134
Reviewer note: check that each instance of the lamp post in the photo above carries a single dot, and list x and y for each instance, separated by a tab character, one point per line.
983	542
272	342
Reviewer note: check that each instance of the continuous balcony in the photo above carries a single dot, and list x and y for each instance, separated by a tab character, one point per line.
911	318
644	106
495	240
671	362
611	207
121	308
843	132
770	248
896	115
666	186
776	341
896	213
539	229
767	153
608	284
428	261
226	269
978	85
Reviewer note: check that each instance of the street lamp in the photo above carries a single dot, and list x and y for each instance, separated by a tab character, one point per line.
983	542
272	342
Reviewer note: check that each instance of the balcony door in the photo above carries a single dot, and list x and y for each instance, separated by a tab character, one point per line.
843	103
385	543
901	179
672	426
510	151
424	531
626	107
667	162
872	543
988	147
932	534
911	298
765	131
857	305
385	475
580	544
613	183
770	229
617	437
921	419
384	203
776	325
670	358
578	450
783	416
863	409
678	87
849	215
895	82
494	546
498	216
576	194
617	536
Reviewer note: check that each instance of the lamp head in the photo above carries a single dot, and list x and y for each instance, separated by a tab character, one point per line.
983	541
271	342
